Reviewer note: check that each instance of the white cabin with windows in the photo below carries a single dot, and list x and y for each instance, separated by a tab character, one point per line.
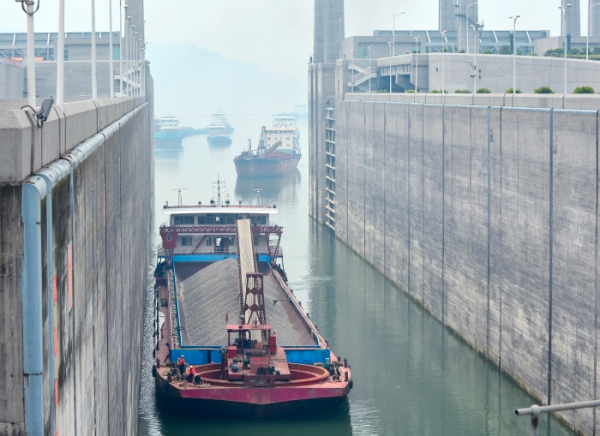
194	232
284	129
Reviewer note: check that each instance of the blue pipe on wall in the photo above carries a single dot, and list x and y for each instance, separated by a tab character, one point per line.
31	305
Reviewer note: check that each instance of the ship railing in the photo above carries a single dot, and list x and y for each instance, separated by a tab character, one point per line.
292	299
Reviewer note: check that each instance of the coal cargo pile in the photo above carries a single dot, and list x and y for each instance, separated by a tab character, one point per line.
206	297
209	294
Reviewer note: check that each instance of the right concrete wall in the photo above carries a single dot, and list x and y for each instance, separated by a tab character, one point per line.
488	217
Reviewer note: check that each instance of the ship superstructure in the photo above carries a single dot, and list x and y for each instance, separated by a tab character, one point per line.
167	133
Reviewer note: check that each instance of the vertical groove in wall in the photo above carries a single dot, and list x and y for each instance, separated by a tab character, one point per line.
500	175
364	164
596	287
384	190
550	242
489	200
443	211
408	182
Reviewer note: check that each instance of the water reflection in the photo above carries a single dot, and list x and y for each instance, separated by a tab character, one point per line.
271	187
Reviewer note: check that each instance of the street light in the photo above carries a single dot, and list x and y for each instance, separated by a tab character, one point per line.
390	44
120	49
394	32
587	44
60	59
467	25
474	75
564	10
417	39
94	78
369	48
27	7
110	43
443	32
514	18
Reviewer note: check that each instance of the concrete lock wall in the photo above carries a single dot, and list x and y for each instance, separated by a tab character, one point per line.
88	198
488	217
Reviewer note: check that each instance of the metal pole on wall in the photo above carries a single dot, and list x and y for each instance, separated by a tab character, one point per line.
369	48
110	51
94	78
514	18
125	64
417	39
120	49
564	10
59	56
443	57
27	7
390	44
394	32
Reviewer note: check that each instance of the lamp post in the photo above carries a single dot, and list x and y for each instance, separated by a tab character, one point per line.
587	44
474	75
467	25
353	52
110	50
27	7
394	32
417	39
443	32
120	49
126	63
369	48
514	18
60	58
94	78
136	57
563	10
390	44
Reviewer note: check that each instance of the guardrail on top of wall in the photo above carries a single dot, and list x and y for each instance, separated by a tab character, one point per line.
26	148
536	101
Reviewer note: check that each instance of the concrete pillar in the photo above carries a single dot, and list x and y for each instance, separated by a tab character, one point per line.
594	17
447	18
573	18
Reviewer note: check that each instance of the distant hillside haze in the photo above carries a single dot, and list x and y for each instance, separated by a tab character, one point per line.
189	80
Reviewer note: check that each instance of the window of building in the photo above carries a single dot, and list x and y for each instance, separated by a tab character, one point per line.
186	241
169	238
202	219
208	241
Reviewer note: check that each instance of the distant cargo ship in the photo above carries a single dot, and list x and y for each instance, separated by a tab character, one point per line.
167	134
278	151
220	297
219	130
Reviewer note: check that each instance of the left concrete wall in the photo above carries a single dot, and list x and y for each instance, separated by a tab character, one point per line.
93	180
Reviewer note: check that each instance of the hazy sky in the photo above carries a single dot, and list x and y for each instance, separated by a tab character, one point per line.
275	34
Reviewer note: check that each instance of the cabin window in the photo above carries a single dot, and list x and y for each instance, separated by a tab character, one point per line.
210	218
184	219
217	219
228	219
202	219
186	241
259	219
231	241
209	241
169	238
256	239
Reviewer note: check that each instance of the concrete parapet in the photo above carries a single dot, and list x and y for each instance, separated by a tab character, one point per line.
25	148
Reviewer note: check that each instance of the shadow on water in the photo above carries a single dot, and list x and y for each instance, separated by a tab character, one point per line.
334	422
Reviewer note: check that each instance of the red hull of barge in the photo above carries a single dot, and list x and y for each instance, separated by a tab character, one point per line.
251	402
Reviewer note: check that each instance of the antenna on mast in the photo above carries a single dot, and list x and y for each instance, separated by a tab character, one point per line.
218	185
179	196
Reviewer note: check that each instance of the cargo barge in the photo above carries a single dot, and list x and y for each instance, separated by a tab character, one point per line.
278	151
231	337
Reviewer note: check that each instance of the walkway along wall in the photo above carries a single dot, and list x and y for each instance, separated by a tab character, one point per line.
488	217
74	240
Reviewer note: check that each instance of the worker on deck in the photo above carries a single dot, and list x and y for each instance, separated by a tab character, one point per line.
191	374
181	365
